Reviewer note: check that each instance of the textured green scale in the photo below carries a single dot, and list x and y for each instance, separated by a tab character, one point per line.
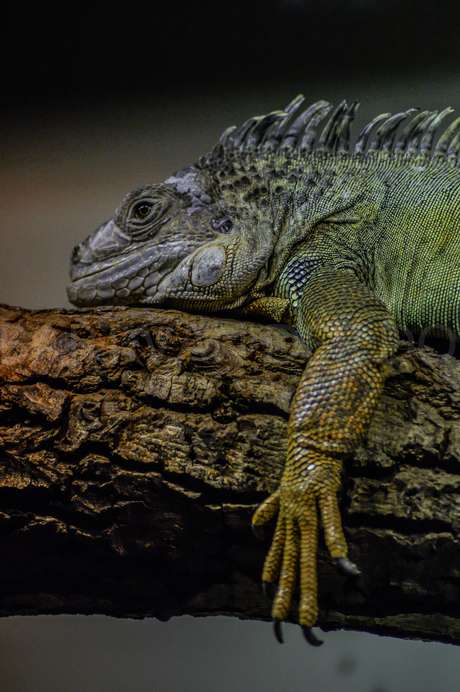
347	246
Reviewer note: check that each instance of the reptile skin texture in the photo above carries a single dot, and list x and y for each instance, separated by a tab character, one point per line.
352	248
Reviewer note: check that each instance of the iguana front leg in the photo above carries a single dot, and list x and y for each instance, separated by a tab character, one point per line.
331	410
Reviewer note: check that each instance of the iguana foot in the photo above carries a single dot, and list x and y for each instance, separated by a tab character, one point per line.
294	543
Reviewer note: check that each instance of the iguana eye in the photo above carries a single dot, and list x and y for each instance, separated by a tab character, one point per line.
144	210
141	210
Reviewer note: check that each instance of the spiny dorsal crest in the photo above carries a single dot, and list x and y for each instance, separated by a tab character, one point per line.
295	132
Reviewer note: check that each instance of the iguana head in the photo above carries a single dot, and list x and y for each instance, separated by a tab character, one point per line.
181	243
204	239
215	235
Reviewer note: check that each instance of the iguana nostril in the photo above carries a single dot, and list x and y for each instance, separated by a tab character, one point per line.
77	254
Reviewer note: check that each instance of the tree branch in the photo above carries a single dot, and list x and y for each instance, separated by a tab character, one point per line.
135	445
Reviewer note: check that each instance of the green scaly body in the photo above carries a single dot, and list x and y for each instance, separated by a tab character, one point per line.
346	247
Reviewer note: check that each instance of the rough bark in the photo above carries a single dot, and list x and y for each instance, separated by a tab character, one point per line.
135	445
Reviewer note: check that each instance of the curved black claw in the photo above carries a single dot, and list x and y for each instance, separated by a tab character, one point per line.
258	531
347	566
269	590
278	631
310	637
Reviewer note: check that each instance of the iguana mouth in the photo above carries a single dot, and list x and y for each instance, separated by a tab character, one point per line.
107	268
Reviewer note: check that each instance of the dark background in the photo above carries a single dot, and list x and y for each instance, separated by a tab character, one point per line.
121	50
100	97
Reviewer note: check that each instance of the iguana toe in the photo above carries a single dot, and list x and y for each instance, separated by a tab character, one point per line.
311	637
278	631
346	566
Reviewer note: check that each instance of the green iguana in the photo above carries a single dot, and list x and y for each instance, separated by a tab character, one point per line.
346	247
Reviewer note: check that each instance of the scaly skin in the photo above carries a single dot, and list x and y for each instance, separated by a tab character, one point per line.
357	334
346	247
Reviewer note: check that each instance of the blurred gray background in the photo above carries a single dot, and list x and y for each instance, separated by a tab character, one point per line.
99	98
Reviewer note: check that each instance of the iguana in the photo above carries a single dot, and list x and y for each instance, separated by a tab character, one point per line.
348	247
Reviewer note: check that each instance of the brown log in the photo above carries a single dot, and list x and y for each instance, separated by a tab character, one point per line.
135	445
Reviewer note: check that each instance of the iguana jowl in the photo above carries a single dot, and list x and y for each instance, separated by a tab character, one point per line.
347	247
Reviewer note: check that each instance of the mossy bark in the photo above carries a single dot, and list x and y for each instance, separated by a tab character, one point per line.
135	445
